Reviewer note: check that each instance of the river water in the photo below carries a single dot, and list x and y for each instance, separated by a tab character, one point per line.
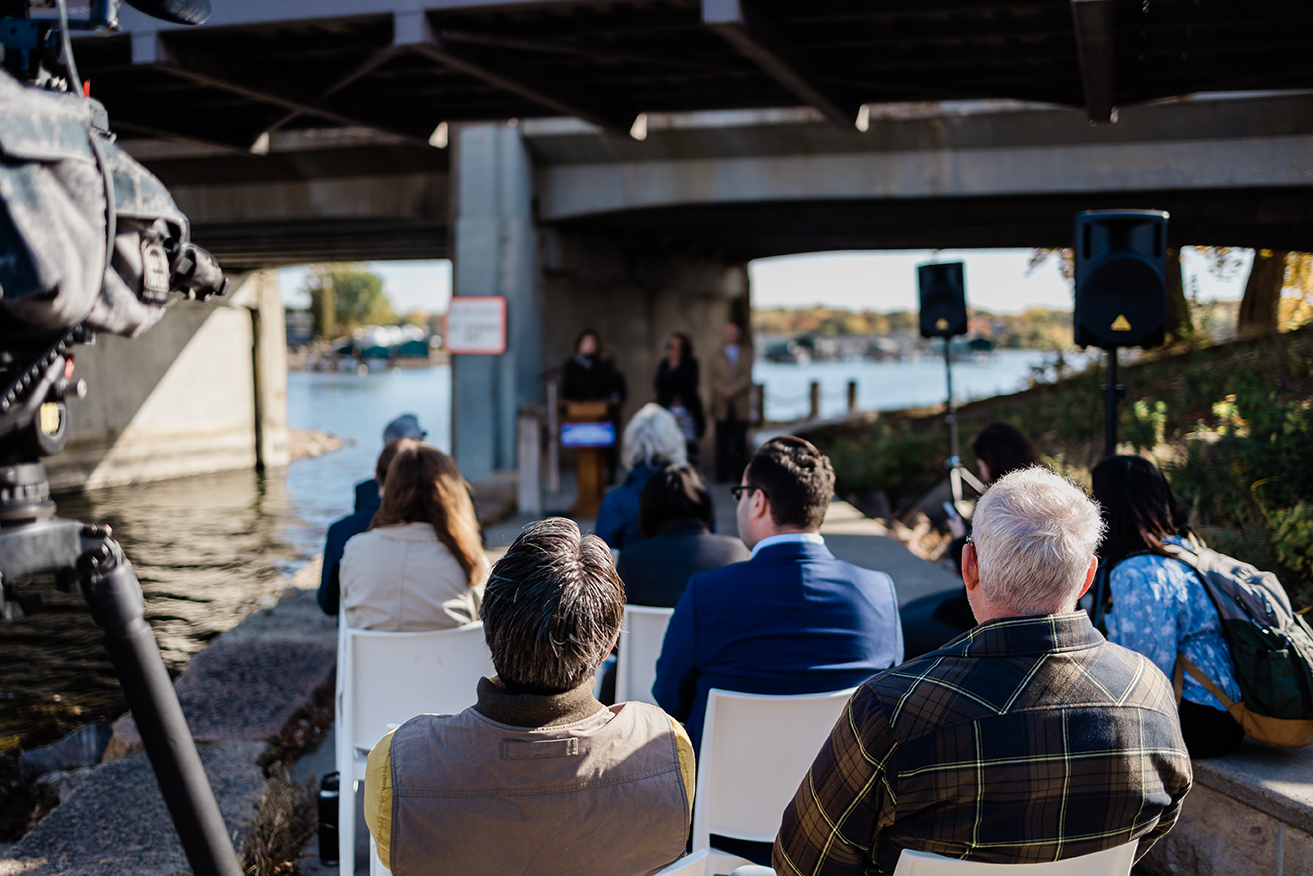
211	549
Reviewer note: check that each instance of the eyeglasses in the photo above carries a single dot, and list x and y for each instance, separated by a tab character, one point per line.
738	491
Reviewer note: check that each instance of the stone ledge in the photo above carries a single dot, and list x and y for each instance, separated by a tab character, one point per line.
1278	781
1249	814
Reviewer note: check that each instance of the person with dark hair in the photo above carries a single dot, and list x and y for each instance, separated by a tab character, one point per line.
588	375
1159	606
1001	449
674	518
537	776
421	565
344	529
792	619
678	391
930	621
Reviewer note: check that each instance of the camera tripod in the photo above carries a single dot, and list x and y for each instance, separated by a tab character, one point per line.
33	423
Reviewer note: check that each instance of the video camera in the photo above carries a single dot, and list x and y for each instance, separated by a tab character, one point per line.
90	241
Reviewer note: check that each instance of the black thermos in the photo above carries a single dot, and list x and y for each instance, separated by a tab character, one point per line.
328	794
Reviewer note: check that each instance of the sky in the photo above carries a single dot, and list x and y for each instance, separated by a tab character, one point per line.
996	281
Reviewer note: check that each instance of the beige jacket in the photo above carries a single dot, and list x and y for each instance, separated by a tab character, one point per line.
736	377
401	578
525	784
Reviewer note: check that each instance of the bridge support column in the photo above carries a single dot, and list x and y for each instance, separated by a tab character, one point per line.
494	253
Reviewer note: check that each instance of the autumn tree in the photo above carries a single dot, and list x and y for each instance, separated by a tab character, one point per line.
346	296
1278	292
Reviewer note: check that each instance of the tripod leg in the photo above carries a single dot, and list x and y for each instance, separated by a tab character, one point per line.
115	599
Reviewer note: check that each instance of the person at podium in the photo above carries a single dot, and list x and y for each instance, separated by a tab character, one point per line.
590	375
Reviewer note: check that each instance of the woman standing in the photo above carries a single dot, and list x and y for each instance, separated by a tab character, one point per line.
1159	605
420	565
677	390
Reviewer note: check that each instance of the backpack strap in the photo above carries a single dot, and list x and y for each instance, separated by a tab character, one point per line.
1178	681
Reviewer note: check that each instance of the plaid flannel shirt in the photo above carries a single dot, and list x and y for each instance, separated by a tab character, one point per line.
1023	740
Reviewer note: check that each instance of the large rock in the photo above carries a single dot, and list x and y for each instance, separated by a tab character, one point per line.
81	748
116	824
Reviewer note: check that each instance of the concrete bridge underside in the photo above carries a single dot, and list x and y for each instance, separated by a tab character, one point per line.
577	226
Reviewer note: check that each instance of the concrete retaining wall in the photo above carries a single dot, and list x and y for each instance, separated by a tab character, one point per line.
181	399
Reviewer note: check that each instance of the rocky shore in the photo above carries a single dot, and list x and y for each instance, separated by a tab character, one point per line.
240	696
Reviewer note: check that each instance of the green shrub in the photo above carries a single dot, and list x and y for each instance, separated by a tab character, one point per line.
899	461
1291	532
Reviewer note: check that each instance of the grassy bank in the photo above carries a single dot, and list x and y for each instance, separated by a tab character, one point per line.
1231	425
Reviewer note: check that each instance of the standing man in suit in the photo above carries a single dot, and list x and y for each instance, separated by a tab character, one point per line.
731	383
792	619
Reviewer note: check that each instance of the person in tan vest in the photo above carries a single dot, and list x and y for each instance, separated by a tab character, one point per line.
538	776
731	385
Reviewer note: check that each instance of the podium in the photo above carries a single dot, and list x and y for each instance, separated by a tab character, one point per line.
588	427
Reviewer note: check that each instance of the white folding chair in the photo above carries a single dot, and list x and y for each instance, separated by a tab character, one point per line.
1116	861
376	867
640	646
383	680
689	865
755	752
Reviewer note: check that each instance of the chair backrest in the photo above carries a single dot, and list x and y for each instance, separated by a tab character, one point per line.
755	752
689	865
640	646
1116	861
387	678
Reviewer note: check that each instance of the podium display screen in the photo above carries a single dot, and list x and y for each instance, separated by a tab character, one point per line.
587	434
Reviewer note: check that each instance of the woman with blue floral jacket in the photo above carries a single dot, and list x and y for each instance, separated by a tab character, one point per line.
1159	606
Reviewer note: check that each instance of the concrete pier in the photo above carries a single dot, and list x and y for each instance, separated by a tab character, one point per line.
204	390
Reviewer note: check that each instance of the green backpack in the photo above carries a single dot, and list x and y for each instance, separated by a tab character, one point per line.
1271	647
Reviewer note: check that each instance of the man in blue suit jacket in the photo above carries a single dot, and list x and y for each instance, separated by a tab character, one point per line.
790	620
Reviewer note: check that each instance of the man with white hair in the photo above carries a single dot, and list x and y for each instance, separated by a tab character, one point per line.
1028	738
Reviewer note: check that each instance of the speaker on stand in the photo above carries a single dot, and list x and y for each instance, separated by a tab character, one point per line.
1121	301
1121	290
944	315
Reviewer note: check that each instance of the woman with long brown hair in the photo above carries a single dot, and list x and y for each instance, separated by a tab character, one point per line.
420	565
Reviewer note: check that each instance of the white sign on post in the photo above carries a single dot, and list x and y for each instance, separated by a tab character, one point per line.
476	324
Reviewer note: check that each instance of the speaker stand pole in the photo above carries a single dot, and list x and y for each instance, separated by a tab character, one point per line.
957	473
951	417
1110	405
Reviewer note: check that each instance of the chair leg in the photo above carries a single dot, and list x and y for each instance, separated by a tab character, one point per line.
346	823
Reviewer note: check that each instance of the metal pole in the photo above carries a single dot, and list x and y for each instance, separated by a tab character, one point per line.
1110	405
115	599
553	437
951	417
852	396
815	400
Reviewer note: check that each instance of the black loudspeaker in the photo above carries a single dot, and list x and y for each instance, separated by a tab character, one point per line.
1121	278
943	300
